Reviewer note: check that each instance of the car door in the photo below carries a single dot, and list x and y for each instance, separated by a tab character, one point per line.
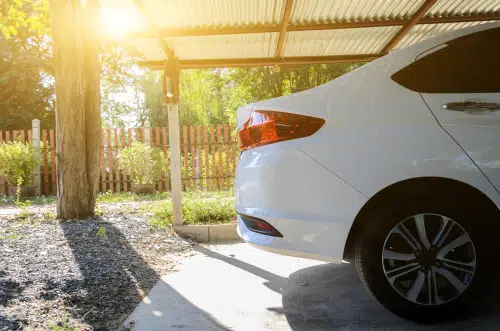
460	83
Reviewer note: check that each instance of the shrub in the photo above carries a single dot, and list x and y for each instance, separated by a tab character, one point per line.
16	163
144	163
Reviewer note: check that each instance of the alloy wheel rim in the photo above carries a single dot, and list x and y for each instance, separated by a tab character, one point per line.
429	259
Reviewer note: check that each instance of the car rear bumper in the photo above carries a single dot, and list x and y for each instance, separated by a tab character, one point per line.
309	205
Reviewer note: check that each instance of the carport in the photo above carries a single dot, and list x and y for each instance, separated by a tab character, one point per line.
187	34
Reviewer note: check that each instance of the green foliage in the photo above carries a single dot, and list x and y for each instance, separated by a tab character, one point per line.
97	211
153	99
143	162
122	104
211	96
9	200
26	87
9	235
24	212
48	216
110	197
24	206
162	214
15	14
26	84
63	326
207	169
102	232
208	211
197	208
16	163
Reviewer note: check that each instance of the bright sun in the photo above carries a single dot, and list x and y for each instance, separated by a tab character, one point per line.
119	21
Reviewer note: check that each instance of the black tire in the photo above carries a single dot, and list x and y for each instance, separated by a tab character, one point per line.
369	246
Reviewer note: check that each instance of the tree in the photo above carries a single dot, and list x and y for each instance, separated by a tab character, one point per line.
123	104
26	84
78	126
31	14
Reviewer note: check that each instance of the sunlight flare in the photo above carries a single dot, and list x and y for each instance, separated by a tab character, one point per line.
118	21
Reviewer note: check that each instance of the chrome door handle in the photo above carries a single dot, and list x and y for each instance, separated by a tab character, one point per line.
472	107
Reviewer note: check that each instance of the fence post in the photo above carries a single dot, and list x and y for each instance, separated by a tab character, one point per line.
147	133
147	141
175	162
35	140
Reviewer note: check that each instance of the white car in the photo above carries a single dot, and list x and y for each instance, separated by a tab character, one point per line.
395	165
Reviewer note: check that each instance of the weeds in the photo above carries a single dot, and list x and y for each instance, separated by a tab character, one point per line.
208	211
24	206
63	326
197	208
10	200
11	236
48	216
97	211
110	197
102	232
162	214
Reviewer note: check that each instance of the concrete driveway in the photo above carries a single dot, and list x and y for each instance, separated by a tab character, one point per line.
237	287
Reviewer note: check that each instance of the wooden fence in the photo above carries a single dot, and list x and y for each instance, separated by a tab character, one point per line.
208	157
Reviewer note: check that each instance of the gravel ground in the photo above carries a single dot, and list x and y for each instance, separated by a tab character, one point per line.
75	270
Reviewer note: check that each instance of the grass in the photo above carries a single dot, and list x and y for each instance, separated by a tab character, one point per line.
10	200
197	208
108	197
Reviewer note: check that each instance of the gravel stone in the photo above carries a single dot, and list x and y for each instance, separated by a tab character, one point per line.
63	269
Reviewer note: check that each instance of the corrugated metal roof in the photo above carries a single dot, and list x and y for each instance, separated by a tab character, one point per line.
218	14
338	42
255	45
422	32
214	13
464	7
312	11
225	46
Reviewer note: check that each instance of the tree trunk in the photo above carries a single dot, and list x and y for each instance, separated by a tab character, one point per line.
78	128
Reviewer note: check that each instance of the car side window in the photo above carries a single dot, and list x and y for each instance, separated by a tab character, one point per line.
469	64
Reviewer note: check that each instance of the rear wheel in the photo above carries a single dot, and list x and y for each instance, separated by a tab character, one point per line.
423	258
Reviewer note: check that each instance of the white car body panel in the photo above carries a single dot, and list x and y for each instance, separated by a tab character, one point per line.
377	133
478	135
315	206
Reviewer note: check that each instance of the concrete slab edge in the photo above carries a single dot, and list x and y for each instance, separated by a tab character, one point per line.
209	232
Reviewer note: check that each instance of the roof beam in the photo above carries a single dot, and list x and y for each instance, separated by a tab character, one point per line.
249	62
284	26
156	31
419	14
165	32
460	18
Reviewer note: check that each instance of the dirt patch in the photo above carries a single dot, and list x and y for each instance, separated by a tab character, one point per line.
92	272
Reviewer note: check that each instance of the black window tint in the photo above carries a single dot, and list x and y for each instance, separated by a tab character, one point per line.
469	64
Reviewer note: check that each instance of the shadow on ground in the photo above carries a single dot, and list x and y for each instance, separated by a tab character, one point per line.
334	298
114	277
331	297
9	290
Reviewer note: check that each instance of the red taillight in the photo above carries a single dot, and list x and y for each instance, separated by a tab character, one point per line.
267	127
257	225
263	226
